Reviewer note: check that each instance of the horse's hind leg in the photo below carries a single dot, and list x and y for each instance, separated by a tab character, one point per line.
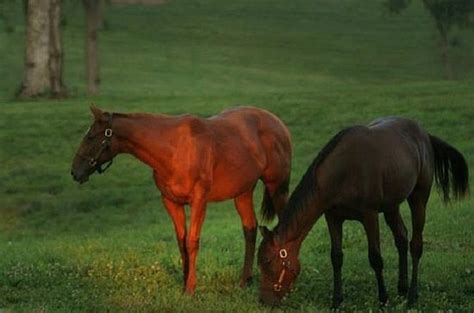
335	232
244	206
417	201
371	225
399	231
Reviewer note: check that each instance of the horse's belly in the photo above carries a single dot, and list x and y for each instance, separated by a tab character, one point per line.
233	183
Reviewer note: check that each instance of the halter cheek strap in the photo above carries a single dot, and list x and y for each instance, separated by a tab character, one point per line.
106	143
283	255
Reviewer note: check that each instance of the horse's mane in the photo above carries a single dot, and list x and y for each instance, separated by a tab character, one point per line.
133	114
295	213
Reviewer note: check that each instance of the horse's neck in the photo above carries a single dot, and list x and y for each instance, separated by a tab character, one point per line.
144	137
295	224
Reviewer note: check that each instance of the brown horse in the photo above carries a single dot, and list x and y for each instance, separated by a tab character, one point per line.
195	161
361	172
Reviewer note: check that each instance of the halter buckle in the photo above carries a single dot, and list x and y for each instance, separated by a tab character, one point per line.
283	253
277	287
108	132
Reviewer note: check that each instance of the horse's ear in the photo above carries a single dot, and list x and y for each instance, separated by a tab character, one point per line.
96	112
266	233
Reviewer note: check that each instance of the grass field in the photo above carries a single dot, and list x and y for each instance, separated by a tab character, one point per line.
109	245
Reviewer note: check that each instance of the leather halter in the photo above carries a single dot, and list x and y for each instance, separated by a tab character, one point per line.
283	255
106	143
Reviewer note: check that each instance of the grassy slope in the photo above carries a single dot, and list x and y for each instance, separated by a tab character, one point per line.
319	65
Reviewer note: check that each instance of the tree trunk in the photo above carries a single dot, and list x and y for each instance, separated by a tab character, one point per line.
36	73
55	51
43	52
443	26
444	45
93	13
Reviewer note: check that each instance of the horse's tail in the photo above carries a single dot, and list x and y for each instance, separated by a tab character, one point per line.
268	210
451	171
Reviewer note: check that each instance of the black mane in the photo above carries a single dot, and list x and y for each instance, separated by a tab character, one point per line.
295	212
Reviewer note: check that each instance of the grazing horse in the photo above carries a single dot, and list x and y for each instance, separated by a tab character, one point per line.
195	161
361	172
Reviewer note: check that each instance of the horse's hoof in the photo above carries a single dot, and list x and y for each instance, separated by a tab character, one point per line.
246	282
188	291
383	304
383	301
412	297
336	303
411	300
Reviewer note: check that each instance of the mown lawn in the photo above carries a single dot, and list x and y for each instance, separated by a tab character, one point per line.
319	65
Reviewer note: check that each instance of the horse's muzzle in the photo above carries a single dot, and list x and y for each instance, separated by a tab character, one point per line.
269	299
79	178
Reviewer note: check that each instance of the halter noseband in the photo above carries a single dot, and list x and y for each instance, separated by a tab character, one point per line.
283	255
106	143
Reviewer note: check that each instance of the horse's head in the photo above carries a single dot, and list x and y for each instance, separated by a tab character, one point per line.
279	267
96	147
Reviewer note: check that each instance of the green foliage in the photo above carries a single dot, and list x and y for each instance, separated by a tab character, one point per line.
446	13
450	12
7	9
396	6
109	245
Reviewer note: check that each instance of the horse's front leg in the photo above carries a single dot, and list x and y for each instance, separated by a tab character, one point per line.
198	212
335	232
244	206
177	213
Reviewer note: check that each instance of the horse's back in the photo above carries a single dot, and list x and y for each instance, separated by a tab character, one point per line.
403	126
407	140
247	117
259	130
376	165
249	143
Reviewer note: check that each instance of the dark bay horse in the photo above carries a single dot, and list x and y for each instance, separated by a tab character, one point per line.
361	172
197	160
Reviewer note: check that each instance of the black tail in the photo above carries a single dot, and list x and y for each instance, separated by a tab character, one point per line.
451	171
268	210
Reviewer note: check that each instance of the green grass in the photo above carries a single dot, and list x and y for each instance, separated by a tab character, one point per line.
319	65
